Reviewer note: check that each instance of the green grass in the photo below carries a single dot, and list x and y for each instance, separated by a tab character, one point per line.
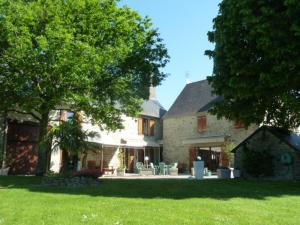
150	202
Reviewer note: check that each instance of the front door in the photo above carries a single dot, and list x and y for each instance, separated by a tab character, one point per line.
141	155
131	160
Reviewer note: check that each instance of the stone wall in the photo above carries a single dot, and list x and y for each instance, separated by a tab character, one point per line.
267	141
178	129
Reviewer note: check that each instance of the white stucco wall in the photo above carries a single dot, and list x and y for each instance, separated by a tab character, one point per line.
126	137
55	160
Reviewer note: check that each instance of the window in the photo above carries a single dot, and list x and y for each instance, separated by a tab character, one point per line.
239	124
70	115
146	126
202	124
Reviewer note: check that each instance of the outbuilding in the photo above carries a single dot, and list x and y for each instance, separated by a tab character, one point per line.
269	152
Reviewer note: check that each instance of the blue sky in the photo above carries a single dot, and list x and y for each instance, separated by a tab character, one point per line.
183	24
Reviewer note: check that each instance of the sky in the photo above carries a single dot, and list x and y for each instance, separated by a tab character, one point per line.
183	24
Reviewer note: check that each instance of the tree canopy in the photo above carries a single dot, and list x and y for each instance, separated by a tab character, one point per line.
91	55
257	61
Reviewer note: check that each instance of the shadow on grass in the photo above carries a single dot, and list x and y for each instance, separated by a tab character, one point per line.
168	189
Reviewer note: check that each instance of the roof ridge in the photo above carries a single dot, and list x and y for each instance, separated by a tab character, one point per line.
199	81
192	98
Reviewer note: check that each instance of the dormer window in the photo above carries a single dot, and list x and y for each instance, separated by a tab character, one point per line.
146	126
239	124
202	124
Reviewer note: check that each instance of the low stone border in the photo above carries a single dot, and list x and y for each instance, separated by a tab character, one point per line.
70	182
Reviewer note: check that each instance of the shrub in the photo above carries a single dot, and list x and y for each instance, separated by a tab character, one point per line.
223	167
258	163
91	173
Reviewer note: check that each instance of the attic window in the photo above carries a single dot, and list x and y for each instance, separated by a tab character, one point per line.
239	124
146	126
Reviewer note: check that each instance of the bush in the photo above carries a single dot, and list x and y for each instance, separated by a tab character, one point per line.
258	163
64	174
91	173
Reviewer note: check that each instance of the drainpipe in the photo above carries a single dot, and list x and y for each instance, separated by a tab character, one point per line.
4	139
102	158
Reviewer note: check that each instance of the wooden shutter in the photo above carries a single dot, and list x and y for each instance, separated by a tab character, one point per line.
152	127
79	116
63	115
140	126
202	123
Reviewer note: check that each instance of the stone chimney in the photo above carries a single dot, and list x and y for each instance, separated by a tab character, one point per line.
152	91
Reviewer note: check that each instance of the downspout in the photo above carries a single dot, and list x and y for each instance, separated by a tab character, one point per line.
102	158
4	139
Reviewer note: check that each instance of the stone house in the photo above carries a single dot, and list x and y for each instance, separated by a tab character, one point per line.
281	147
189	130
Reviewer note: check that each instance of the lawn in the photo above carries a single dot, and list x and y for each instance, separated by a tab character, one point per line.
22	201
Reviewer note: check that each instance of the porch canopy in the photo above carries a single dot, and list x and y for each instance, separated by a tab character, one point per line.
122	142
207	141
139	146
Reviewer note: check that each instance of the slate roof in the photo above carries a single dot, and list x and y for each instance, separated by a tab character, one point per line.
290	138
153	108
195	97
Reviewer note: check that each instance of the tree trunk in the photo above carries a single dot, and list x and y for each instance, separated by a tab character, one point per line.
65	161
43	147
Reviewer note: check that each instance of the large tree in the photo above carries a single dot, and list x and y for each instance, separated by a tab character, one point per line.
257	61
91	55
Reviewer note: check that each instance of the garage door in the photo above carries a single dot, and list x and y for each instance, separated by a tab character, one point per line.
22	147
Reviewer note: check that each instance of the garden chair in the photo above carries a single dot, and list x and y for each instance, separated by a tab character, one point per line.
162	169
173	165
155	168
139	166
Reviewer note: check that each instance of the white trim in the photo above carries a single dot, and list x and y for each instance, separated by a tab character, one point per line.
205	139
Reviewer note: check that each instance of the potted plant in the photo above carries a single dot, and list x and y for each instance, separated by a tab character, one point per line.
121	169
223	172
236	172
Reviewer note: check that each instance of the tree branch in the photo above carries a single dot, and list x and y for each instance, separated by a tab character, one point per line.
25	113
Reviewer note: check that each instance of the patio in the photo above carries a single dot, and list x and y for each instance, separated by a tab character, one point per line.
159	177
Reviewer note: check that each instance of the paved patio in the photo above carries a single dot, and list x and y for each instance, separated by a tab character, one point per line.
137	176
